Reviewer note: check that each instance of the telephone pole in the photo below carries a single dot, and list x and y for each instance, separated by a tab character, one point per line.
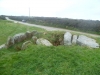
29	12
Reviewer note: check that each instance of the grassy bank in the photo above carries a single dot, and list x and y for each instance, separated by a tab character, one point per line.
8	28
42	60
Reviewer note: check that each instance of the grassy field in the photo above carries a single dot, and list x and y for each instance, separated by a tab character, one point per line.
42	60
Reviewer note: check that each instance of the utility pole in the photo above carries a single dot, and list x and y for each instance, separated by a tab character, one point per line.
29	19
29	12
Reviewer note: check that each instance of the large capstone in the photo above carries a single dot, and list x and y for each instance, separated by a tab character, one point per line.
19	37
67	38
43	41
86	41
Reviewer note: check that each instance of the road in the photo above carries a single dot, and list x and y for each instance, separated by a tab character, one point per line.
53	28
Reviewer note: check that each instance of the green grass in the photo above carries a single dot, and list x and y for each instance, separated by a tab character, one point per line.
42	60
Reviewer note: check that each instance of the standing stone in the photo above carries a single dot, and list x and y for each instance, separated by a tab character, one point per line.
10	42
67	38
86	41
33	33
34	38
74	39
28	35
43	41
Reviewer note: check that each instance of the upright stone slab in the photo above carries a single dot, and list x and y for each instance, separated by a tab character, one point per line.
34	38
33	33
43	41
28	35
74	39
86	41
67	38
10	42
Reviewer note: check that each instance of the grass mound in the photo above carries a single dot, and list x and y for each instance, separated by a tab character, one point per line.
42	60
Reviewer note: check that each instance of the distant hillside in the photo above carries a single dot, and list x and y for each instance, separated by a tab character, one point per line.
90	26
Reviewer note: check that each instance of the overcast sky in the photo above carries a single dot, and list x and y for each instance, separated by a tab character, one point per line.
77	9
